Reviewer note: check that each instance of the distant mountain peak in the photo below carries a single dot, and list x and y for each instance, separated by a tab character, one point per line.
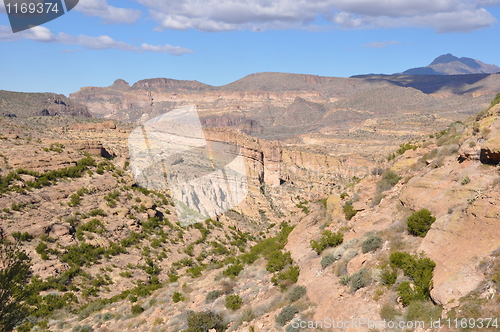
445	58
448	64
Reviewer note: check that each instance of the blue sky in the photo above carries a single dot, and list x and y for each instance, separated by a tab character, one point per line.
219	41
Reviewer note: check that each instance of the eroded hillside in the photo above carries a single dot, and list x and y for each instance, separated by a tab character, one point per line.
414	237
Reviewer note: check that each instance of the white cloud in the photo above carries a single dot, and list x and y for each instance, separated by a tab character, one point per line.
257	15
42	34
109	14
381	44
173	50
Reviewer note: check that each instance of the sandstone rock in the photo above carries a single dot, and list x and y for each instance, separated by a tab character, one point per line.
490	151
470	150
97	127
91	146
357	263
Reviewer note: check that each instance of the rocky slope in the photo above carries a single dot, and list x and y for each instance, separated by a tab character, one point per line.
118	249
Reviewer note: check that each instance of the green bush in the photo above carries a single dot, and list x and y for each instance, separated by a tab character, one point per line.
233	302
290	275
420	269
213	295
388	277
286	315
205	321
22	236
41	249
233	270
420	222
349	210
296	293
137	309
328	239
372	243
178	297
14	290
405	147
277	261
360	279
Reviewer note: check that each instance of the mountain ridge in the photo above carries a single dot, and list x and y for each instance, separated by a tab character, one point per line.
448	64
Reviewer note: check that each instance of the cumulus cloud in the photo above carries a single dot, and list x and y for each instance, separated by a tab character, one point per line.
42	34
226	15
109	14
381	44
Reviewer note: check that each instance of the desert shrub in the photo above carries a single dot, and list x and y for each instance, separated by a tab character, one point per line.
388	277
377	199
14	289
277	260
137	309
213	295
372	243
389	180
289	275
82	328
420	222
296	293
420	269
286	315
360	279
327	260
465	180
328	239
405	147
205	321
233	302
495	100
349	210
22	236
178	297
41	249
422	311
344	279
388	312
291	328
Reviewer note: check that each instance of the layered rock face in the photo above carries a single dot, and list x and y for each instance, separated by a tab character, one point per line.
15	104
